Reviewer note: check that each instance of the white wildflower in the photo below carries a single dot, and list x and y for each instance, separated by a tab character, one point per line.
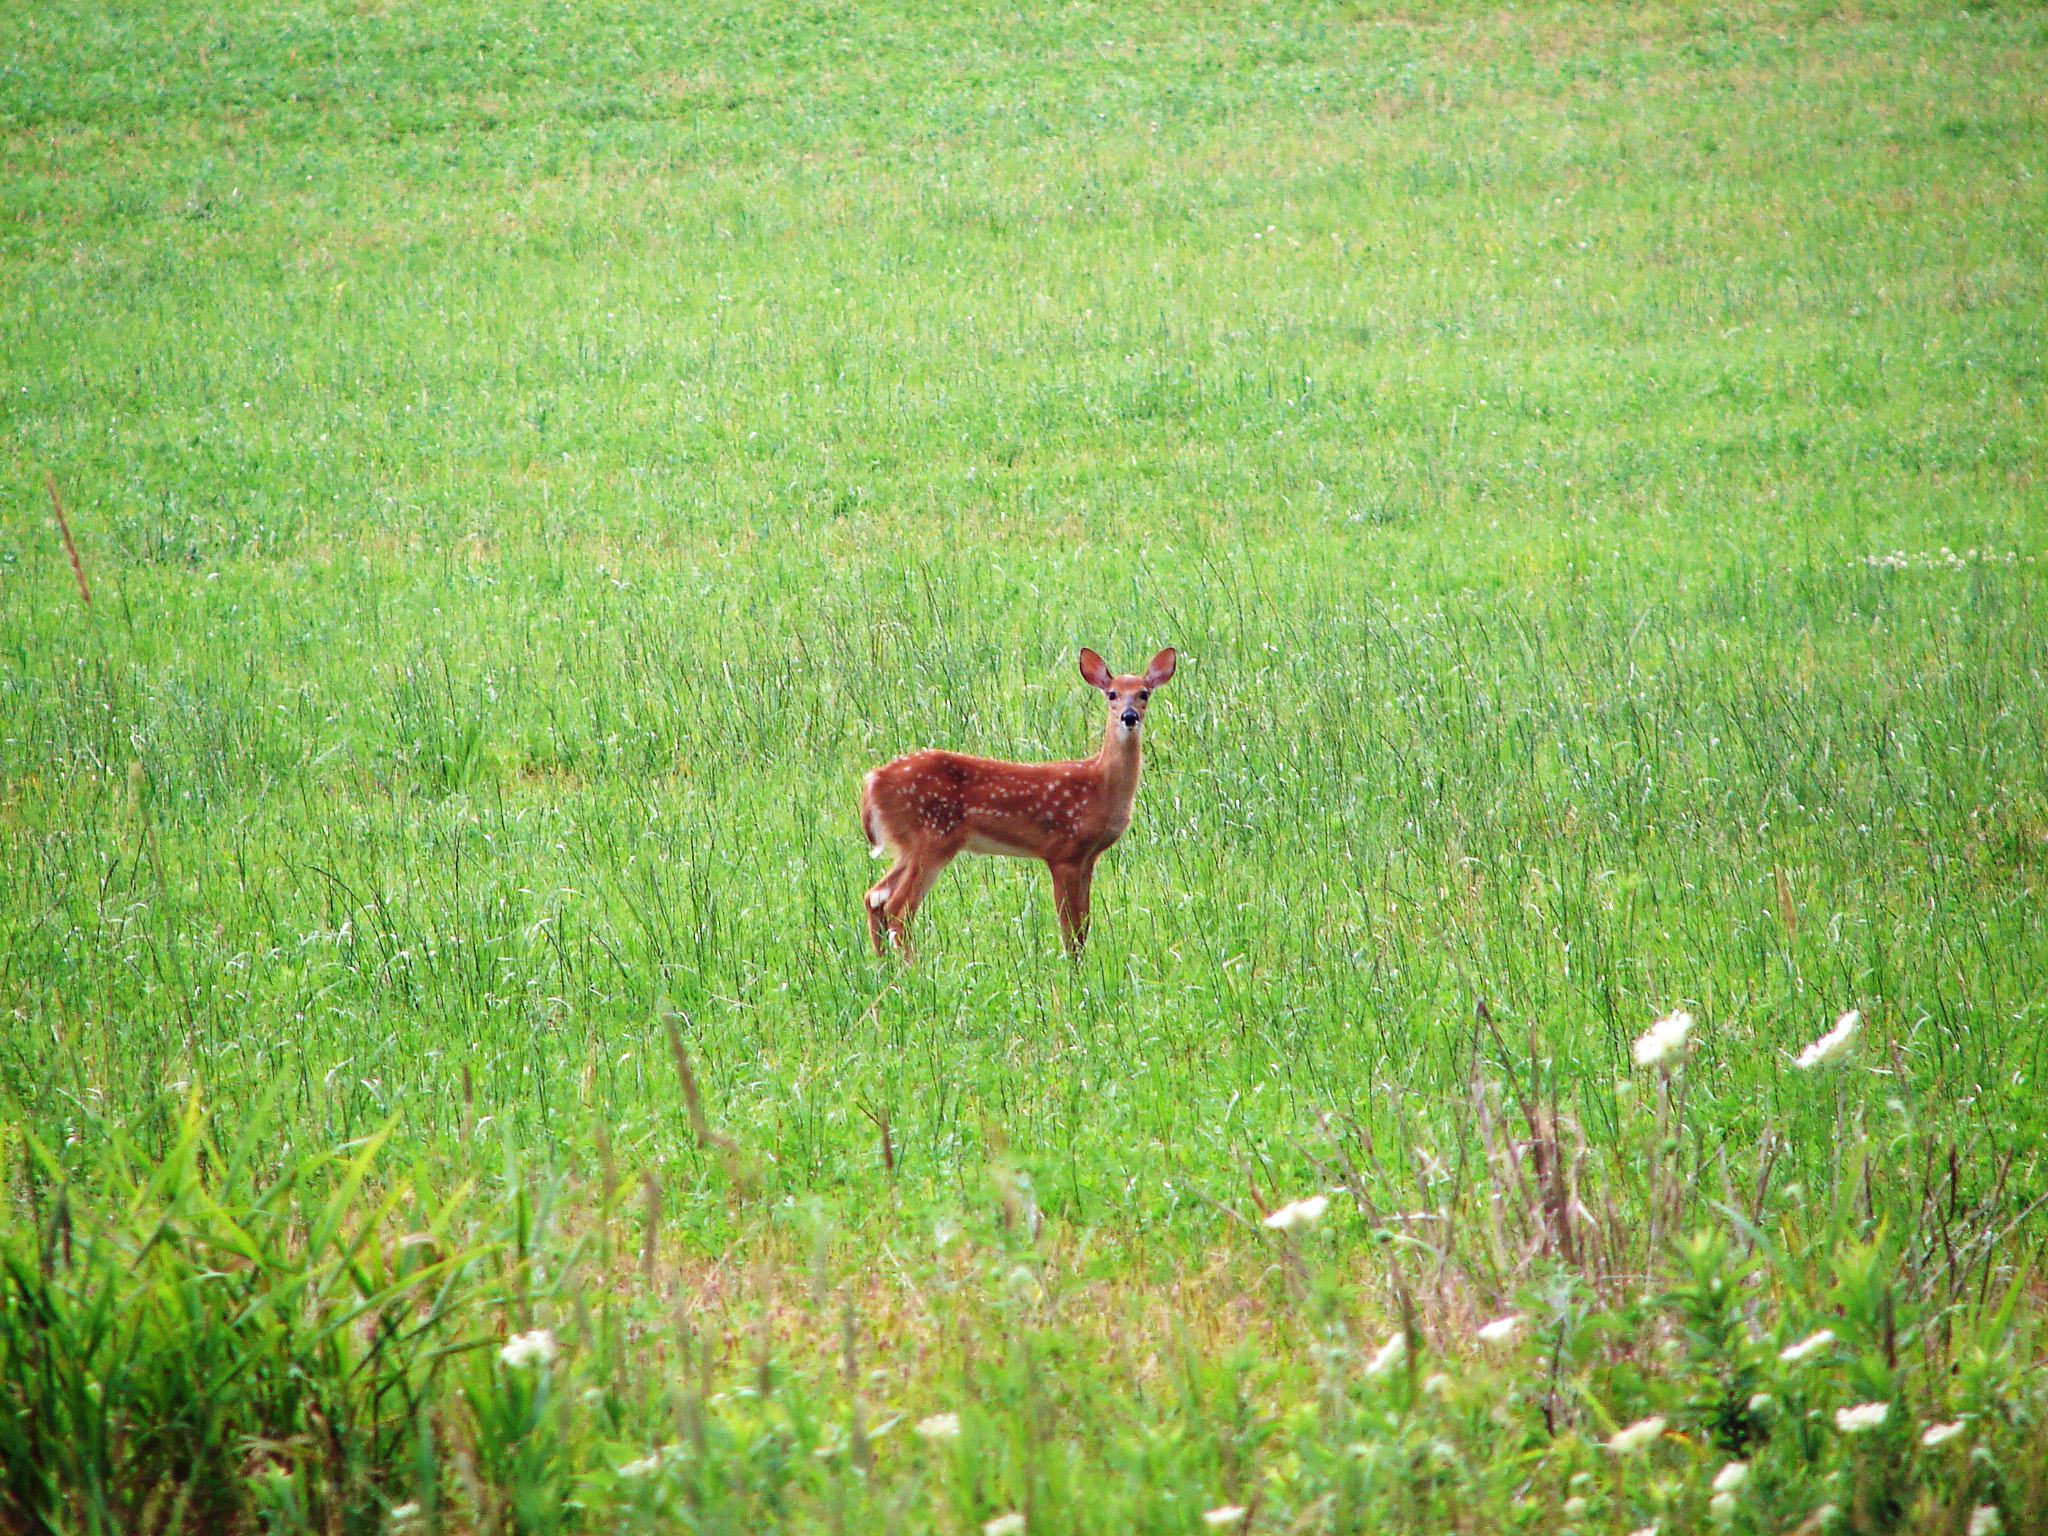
646	1466
1826	1515
1391	1354
1832	1044
1662	1038
1731	1477
1984	1520
1762	1402
524	1349
1574	1507
940	1426
1011	1524
1940	1434
1811	1345
1639	1434
1436	1384
404	1518
1648	1530
1852	1421
1501	1329
1298	1213
1722	1507
1222	1515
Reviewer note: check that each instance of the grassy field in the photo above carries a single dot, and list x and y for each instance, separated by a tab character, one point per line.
526	462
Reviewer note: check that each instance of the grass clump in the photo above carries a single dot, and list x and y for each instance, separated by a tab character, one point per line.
489	483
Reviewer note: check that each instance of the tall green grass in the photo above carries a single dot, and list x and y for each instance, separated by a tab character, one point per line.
529	462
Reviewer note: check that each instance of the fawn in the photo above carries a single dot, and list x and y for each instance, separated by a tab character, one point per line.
931	806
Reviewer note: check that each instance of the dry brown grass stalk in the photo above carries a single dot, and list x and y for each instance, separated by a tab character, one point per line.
650	1243
739	1169
879	1118
70	545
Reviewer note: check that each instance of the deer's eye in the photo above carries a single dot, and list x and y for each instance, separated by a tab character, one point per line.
1112	695
1143	694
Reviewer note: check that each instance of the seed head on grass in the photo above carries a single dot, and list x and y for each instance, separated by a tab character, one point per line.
1940	1434
1298	1213
1501	1329
1011	1524
1834	1044
1222	1515
1663	1038
1984	1520
1731	1477
940	1427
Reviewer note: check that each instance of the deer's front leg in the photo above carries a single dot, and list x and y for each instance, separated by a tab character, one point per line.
1070	887
877	898
900	905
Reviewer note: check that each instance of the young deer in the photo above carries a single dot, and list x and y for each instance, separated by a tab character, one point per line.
931	806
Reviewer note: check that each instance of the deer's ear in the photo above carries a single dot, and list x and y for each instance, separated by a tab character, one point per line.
1094	672
1161	668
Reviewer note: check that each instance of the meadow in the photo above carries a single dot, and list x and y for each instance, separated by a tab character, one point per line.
483	483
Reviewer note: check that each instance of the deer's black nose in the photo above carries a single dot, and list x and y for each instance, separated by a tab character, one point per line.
1130	718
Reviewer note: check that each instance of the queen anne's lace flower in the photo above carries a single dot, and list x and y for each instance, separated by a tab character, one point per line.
535	1348
1833	1044
1812	1344
1662	1038
1853	1421
1298	1213
1391	1354
1639	1434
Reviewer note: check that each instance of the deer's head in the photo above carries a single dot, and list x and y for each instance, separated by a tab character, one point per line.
1128	694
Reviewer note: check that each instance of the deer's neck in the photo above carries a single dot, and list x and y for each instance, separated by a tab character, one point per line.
1118	761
